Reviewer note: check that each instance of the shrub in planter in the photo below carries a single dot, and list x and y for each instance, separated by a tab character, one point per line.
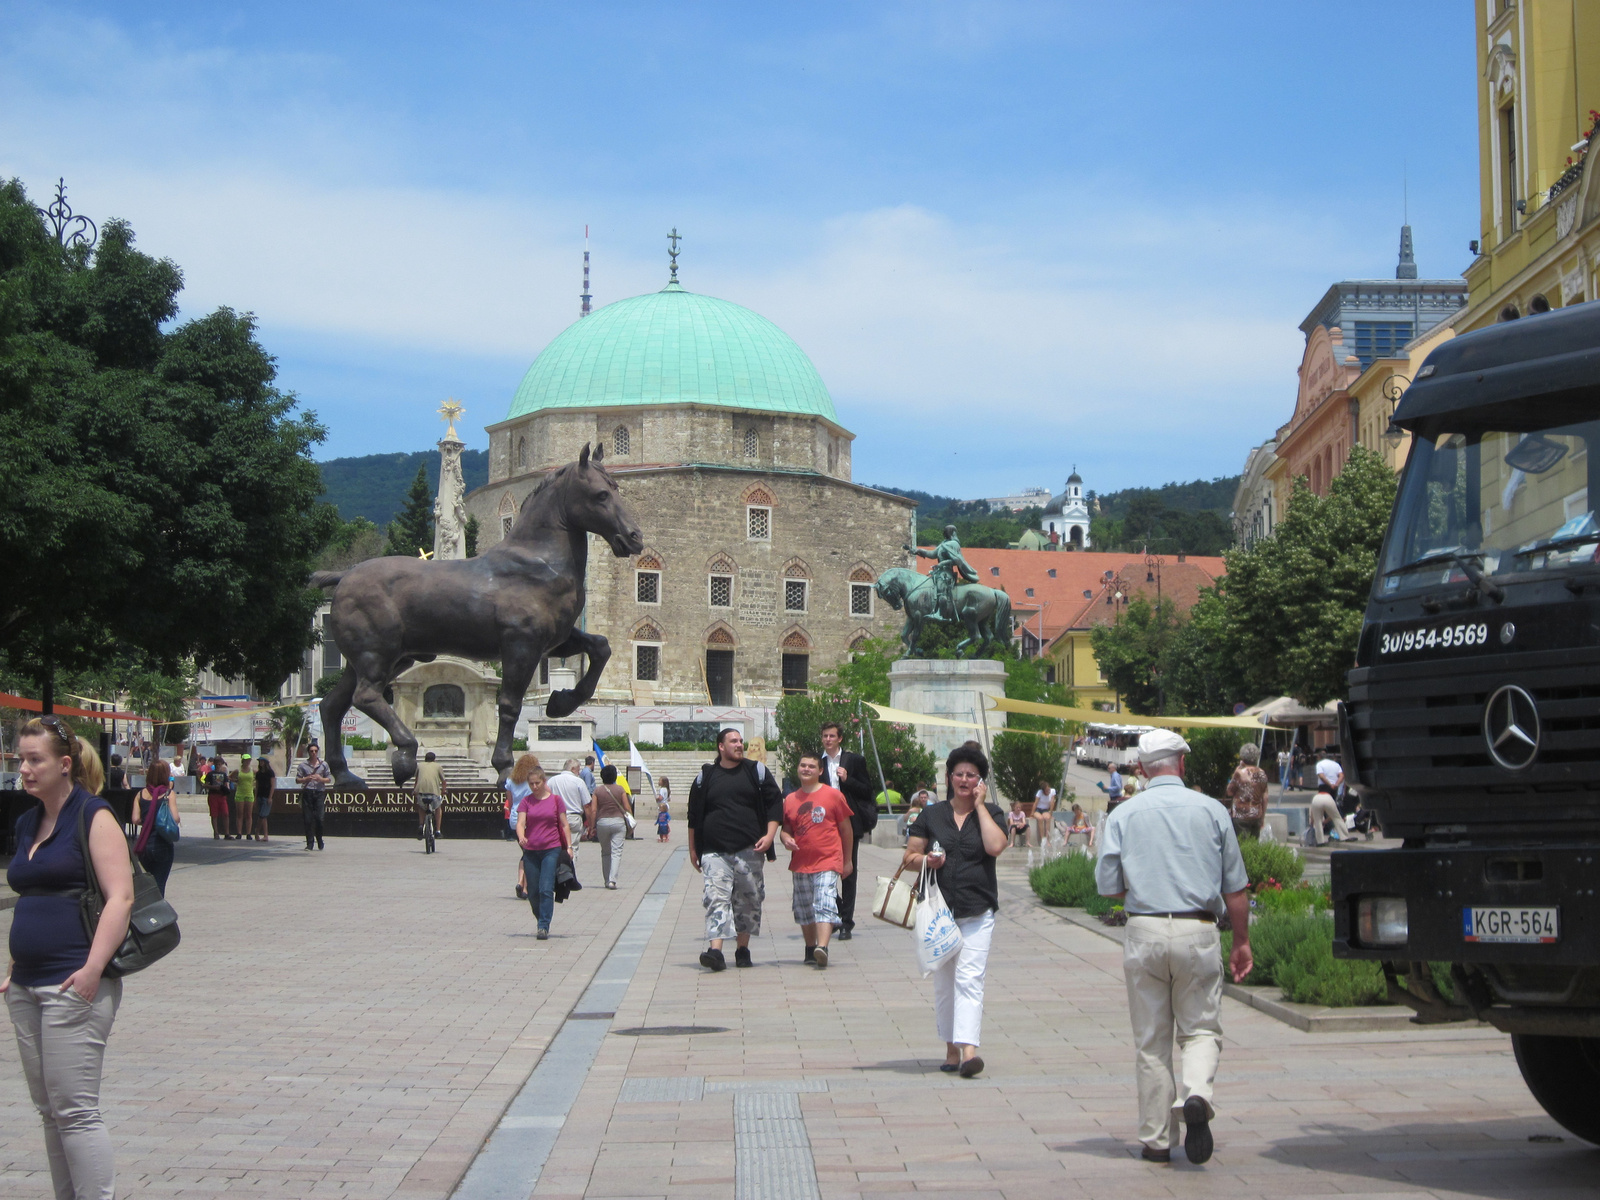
1066	882
1290	901
1098	905
1271	862
1312	975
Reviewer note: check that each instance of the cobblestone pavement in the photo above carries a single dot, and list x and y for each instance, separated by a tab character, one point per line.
356	1021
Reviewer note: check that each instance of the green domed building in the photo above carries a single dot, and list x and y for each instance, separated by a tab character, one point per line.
726	446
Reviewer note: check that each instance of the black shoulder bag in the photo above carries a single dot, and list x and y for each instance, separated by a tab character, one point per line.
152	925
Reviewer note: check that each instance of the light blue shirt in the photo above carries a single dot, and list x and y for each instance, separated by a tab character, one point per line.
1171	850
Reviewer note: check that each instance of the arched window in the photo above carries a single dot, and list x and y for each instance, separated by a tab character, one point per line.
752	443
619	440
444	700
522	454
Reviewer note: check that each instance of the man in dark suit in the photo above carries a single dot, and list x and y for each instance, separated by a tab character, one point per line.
847	771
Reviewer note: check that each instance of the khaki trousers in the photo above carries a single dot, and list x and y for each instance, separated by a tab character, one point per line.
1324	809
1173	968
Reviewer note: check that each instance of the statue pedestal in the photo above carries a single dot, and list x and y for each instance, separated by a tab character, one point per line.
953	688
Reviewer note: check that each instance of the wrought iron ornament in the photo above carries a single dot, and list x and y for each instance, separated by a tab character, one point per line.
672	253
71	229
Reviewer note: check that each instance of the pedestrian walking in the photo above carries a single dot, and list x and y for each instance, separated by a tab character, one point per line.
244	799
735	808
819	833
266	781
846	772
543	834
430	789
577	800
587	773
959	841
155	852
1325	804
1285	763
1171	855
518	790
60	1003
1112	787
1247	793
314	779
217	796
612	807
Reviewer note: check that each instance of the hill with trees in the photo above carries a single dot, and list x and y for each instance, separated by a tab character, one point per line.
374	486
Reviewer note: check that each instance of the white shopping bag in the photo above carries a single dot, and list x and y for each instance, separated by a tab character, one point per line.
938	935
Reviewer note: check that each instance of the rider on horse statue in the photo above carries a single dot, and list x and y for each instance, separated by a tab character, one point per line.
949	568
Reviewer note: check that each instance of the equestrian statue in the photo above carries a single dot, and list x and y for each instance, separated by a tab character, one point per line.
945	594
517	602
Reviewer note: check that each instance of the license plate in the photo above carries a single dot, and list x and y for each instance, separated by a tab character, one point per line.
1537	925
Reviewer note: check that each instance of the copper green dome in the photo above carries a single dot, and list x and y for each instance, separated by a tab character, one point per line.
673	347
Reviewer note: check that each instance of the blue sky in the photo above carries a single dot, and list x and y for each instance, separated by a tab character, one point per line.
1012	236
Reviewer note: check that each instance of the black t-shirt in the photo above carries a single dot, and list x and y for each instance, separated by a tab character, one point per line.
967	877
730	809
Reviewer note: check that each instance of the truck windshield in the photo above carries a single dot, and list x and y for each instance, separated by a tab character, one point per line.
1495	501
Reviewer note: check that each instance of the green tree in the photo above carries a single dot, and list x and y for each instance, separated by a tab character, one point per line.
1294	602
161	501
1200	676
471	533
1213	755
1025	762
800	717
352	542
412	528
1131	652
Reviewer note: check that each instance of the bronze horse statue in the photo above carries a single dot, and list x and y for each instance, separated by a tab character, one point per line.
984	612
518	602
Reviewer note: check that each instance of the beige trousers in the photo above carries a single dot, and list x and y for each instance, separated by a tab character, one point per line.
1324	809
1173	968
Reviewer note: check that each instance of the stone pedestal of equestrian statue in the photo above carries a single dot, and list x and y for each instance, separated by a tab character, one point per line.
953	688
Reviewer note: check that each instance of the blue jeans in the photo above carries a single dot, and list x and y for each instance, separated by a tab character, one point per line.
539	867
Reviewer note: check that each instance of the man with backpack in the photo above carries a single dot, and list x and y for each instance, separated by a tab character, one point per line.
735	808
218	793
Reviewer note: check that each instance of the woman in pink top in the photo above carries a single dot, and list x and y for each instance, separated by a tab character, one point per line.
542	833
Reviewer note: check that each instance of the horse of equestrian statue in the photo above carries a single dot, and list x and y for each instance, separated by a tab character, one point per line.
984	612
517	602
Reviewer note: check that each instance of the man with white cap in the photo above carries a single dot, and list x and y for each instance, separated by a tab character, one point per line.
1172	856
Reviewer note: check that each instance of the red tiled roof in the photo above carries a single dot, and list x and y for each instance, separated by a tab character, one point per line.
1070	587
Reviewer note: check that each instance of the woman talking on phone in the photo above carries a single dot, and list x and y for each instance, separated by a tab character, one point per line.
960	841
60	1005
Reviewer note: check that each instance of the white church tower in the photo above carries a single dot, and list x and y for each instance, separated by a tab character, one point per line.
1066	518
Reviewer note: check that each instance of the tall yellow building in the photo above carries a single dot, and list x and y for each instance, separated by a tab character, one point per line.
1538	89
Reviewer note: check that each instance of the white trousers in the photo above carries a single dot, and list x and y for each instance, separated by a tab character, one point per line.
1324	809
1173	968
610	831
958	984
575	828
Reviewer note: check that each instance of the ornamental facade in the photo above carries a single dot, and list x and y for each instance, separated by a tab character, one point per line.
761	552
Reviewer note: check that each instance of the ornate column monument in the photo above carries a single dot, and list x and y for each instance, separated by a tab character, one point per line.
449	508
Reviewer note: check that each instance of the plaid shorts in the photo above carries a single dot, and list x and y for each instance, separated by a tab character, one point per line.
816	897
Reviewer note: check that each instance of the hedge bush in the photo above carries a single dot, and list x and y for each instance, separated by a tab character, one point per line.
1066	882
1271	861
1098	905
1295	952
1292	901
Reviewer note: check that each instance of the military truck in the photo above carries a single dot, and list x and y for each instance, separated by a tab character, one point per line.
1473	724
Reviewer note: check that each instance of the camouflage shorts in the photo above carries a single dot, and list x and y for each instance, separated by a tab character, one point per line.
734	889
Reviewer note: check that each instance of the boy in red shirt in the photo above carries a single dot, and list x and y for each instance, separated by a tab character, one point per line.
819	836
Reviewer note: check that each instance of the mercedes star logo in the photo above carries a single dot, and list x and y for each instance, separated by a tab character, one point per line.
1511	728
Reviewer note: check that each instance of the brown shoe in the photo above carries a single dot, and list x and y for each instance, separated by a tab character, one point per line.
1151	1154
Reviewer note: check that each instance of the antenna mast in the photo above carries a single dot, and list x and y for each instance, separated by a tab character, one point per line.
583	306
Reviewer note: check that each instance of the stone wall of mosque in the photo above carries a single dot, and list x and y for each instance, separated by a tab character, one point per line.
674	433
746	575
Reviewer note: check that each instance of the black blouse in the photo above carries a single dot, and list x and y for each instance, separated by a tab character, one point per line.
967	877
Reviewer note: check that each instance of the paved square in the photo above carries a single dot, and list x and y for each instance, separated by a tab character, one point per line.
356	1021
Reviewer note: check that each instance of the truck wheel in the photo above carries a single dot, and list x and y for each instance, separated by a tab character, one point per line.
1563	1073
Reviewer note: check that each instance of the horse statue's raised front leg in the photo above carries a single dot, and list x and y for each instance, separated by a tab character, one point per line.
597	652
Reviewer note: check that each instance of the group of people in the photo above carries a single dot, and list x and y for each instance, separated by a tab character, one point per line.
1334	807
551	814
